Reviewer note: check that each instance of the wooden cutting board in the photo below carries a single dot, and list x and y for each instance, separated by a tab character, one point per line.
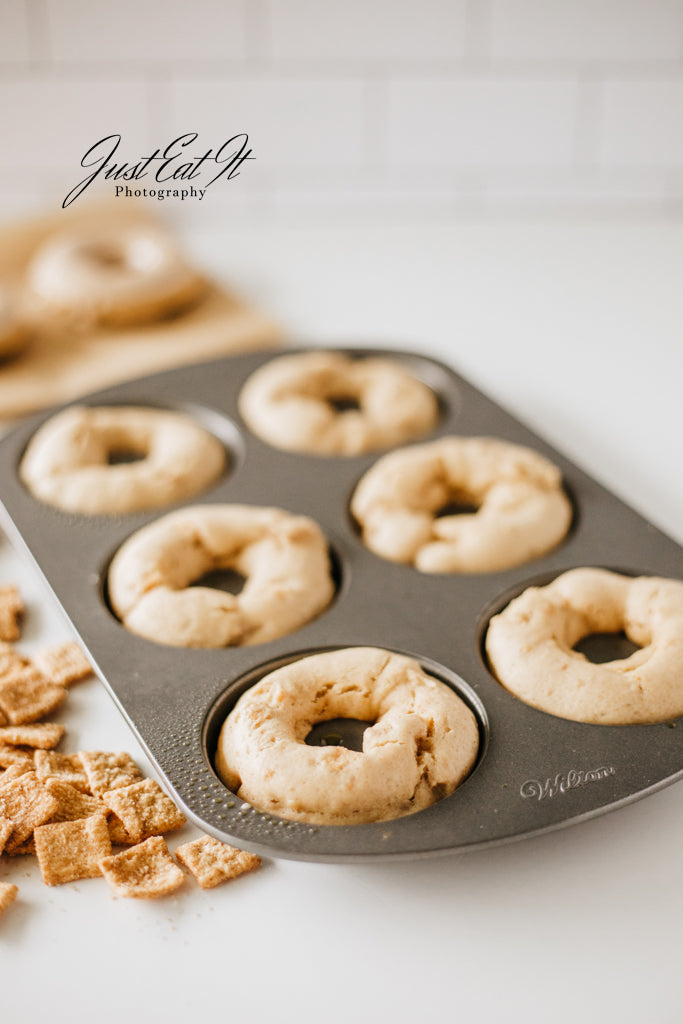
64	361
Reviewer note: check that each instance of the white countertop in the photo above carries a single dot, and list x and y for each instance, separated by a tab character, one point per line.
577	330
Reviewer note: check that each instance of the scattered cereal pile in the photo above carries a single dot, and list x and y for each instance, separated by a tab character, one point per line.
72	810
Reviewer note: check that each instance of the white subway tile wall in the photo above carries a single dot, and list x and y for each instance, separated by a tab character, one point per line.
643	123
435	108
587	30
52	122
14	32
293	122
145	31
377	30
480	123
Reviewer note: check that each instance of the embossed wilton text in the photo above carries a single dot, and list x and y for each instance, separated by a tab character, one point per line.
532	788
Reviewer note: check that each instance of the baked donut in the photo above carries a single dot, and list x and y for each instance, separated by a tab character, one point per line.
530	647
14	328
67	462
299	403
284	558
423	742
113	275
520	512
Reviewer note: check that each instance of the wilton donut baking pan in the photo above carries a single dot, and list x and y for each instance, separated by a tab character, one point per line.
534	771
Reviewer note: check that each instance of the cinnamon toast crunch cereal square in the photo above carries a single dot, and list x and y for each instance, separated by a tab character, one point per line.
145	871
212	862
63	664
69	850
65	767
26	695
73	804
106	770
144	809
27	803
10	755
44	735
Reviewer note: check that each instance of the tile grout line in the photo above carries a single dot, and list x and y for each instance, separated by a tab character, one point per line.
481	68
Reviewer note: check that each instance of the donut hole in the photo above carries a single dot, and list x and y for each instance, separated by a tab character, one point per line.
456	507
600	648
124	456
105	256
339	732
11	357
343	403
230	581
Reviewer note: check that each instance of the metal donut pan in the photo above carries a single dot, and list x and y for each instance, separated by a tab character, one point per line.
535	772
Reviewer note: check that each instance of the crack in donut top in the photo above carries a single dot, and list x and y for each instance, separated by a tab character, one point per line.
530	647
422	744
284	558
326	403
71	460
521	508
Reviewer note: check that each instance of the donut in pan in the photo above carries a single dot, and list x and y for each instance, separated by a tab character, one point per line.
530	647
422	743
113	276
519	510
327	403
284	558
69	462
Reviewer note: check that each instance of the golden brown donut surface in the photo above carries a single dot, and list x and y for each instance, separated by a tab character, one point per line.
296	403
521	508
283	556
113	275
530	647
67	461
422	745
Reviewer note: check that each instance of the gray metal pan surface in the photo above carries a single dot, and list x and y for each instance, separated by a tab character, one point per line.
535	772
